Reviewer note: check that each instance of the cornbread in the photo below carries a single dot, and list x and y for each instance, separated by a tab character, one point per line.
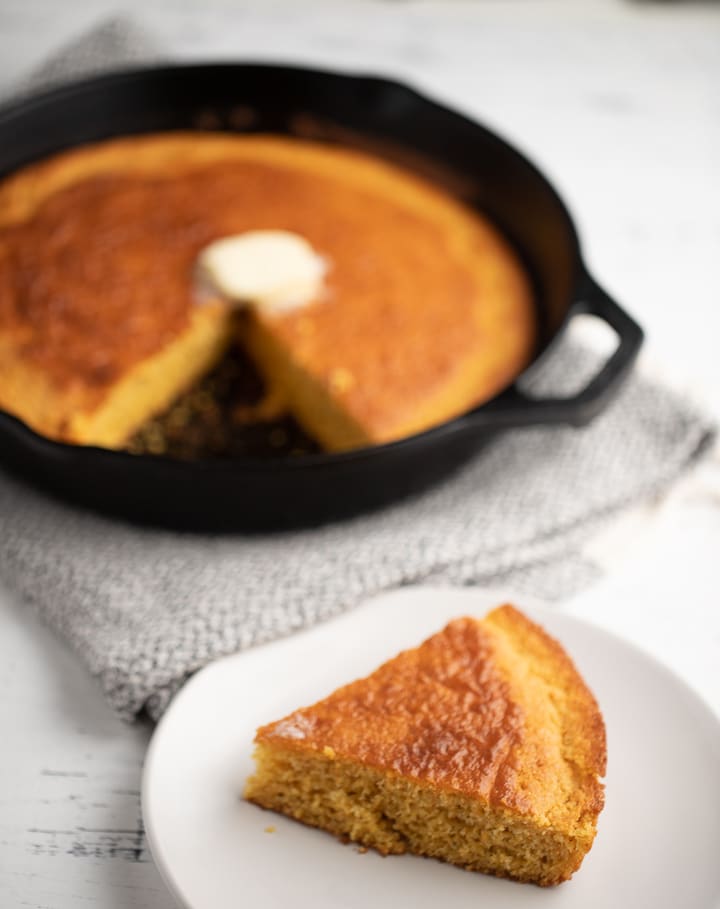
482	747
425	309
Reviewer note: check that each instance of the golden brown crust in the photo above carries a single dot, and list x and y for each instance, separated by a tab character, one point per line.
440	713
582	716
556	699
491	709
427	310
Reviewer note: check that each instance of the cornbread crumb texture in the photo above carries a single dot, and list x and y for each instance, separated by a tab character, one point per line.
482	747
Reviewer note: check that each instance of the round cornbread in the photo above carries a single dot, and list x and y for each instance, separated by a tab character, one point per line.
426	309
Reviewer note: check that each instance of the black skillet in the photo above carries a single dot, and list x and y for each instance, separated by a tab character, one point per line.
383	116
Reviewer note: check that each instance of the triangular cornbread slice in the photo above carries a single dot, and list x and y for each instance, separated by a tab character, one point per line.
482	747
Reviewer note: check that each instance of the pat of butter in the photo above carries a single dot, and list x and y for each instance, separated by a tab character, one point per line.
275	270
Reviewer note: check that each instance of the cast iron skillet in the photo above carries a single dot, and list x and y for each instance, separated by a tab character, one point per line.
245	494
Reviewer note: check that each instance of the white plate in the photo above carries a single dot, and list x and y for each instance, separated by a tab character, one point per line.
658	842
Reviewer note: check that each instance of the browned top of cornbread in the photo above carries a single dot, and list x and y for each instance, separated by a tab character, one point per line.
97	247
493	709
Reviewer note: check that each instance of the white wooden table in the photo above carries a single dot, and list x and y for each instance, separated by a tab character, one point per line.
620	104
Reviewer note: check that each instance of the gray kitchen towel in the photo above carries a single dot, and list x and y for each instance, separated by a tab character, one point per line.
146	608
115	43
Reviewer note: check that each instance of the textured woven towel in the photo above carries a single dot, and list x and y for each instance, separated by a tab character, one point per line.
146	608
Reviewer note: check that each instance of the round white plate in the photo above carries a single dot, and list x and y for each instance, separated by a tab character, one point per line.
658	842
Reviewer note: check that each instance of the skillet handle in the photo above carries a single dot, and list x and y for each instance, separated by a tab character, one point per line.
515	409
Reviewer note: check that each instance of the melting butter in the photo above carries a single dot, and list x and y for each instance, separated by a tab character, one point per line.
274	270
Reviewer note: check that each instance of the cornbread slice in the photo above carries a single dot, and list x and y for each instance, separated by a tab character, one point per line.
482	747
